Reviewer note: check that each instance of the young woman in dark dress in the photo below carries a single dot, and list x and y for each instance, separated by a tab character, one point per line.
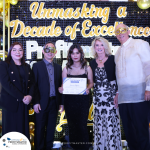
77	106
17	91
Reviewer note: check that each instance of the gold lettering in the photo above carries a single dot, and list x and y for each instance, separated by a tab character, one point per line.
76	13
140	30
41	13
133	30
146	32
104	30
90	116
33	32
98	12
26	31
75	29
40	31
14	24
110	30
91	15
68	30
33	9
105	15
68	13
85	26
61	122
121	12
84	11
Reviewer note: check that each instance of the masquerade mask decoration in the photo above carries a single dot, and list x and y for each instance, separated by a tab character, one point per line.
121	31
49	49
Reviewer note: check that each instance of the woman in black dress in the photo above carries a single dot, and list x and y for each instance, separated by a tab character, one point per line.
106	123
17	91
77	106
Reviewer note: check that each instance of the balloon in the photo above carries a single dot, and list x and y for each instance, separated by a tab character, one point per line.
31	137
6	21
31	111
1	3
6	11
31	126
13	2
143	4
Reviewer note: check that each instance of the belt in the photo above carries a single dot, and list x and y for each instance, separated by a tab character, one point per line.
52	97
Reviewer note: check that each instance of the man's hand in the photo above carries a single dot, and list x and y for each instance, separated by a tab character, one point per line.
147	95
60	89
61	108
116	100
27	99
37	108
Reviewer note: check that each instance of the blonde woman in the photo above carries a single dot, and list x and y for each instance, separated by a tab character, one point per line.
106	127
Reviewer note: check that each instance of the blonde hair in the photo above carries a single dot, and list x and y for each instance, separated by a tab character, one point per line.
106	46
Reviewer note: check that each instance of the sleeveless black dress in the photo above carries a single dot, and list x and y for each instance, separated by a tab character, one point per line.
77	110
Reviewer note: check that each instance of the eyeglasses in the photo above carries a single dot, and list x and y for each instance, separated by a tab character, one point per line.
121	31
49	49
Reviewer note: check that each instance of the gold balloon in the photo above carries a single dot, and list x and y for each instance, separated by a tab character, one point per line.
13	2
31	137
143	4
31	126
1	3
31	111
6	12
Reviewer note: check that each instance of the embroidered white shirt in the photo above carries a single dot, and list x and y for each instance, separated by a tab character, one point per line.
133	70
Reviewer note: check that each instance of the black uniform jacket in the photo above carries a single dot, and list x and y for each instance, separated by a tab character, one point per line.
11	95
43	86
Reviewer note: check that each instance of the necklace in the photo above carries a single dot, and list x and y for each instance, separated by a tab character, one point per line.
101	60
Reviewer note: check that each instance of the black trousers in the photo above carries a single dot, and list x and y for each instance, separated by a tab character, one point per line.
45	124
136	125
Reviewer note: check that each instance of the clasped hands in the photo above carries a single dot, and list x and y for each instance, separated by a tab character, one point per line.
27	99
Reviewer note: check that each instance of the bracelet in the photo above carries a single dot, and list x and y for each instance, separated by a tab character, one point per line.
117	92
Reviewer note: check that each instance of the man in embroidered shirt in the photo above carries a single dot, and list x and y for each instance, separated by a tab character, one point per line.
133	77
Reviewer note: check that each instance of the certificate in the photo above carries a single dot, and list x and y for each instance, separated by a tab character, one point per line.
75	86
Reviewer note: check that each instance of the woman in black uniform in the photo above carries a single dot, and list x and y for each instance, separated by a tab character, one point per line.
77	106
17	91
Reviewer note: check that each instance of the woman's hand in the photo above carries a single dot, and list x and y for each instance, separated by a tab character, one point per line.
27	99
60	89
116	100
87	91
61	108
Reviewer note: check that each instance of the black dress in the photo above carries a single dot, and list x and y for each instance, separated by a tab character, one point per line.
17	121
77	110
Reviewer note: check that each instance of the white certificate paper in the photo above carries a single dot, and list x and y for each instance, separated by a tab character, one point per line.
75	86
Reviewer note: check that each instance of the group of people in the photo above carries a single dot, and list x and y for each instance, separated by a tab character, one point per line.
120	81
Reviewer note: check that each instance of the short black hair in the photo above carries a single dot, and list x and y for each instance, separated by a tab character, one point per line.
51	43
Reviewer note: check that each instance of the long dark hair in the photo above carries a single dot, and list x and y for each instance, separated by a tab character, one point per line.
70	61
9	58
